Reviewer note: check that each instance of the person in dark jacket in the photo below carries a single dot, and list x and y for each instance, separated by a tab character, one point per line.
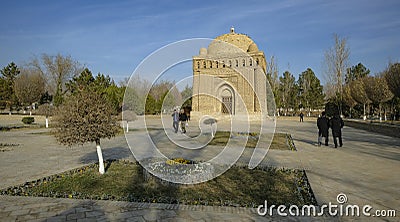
301	117
323	129
175	120
336	123
183	119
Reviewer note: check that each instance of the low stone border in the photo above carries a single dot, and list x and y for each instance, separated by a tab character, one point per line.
290	142
385	129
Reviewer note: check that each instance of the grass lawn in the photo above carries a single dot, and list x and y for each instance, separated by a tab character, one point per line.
281	141
126	181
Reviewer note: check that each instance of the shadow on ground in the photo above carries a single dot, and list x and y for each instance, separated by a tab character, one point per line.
108	154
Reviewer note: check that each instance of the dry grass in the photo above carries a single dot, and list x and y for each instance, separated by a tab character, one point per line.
15	120
279	142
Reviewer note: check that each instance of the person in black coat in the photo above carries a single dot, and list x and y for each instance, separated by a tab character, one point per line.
183	119
175	120
323	129
336	123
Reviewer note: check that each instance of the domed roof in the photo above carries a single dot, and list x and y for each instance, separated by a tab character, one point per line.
241	41
203	51
252	48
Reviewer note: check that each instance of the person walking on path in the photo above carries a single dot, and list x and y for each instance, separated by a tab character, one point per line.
175	120
183	119
336	123
323	129
301	117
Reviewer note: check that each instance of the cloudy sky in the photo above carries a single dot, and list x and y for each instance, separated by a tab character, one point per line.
113	37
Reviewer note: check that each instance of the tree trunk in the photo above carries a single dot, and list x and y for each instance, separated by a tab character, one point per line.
384	113
350	112
100	155
380	113
364	117
47	122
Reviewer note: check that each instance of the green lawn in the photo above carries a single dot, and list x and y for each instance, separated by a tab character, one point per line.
125	181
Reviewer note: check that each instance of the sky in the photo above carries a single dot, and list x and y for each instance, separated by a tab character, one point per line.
113	37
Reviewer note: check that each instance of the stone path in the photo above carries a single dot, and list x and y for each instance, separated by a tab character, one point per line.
365	169
51	209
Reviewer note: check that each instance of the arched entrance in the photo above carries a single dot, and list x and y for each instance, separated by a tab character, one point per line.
227	102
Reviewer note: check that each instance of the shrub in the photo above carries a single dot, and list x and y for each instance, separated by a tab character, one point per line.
28	120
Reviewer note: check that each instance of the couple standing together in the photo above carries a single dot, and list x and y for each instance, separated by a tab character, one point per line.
335	123
179	117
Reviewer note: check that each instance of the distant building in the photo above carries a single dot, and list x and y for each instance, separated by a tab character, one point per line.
225	74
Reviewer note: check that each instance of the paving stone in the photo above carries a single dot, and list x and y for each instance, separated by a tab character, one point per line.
166	214
19	212
9	218
12	208
75	216
82	209
196	215
87	220
138	212
151	216
57	218
93	214
136	219
123	215
26	217
4	213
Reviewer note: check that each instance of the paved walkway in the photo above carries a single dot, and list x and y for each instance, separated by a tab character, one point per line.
365	169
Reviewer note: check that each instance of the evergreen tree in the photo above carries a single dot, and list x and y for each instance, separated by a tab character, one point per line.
311	90
356	72
287	91
85	116
187	93
7	84
102	84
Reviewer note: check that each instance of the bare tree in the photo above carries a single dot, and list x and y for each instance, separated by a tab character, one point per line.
86	116
136	93
358	93
347	98
392	76
58	70
46	110
272	74
29	87
172	99
336	62
377	91
128	115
